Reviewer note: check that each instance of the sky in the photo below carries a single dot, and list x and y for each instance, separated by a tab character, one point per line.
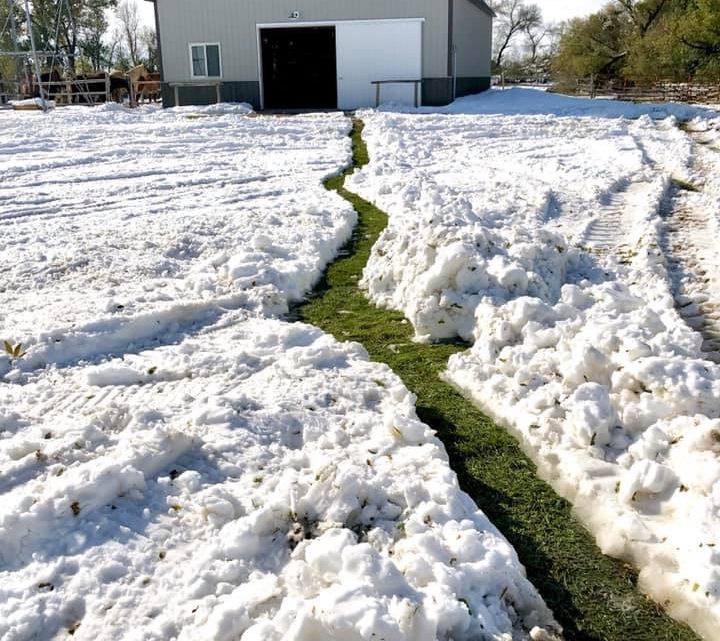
553	10
559	10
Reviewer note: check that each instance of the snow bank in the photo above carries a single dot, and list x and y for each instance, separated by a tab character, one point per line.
537	239
528	102
260	481
119	224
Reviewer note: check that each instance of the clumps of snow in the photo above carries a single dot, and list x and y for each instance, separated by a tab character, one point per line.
177	465
132	224
441	261
257	482
537	239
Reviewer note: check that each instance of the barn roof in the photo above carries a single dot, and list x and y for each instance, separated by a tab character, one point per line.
483	6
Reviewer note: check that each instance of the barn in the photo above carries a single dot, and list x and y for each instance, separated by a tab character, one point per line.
322	54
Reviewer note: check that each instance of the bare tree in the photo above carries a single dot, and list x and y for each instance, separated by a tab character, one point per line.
535	34
129	18
514	17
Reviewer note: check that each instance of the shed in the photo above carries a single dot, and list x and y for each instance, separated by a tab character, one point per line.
322	54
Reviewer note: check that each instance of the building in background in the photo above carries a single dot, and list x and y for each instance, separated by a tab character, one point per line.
323	54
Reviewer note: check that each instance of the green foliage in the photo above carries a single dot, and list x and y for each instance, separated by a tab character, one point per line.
593	45
644	40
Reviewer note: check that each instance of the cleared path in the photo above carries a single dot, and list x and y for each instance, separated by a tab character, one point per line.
593	596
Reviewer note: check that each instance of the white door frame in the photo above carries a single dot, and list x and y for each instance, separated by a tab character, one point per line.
318	23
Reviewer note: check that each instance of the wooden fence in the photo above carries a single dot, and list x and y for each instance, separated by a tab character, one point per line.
648	91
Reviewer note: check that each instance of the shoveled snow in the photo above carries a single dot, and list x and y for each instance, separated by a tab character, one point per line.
537	238
174	464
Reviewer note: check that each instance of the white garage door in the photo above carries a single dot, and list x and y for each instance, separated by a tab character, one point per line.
377	50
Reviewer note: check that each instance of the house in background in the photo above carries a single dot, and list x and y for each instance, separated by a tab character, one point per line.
322	54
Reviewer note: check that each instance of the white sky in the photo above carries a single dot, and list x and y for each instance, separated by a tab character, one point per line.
559	10
553	10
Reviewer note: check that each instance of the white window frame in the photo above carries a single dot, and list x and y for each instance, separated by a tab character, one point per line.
205	45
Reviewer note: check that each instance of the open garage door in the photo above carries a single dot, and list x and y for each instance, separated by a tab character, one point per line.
299	68
374	50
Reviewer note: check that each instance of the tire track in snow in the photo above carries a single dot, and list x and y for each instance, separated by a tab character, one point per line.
610	229
690	243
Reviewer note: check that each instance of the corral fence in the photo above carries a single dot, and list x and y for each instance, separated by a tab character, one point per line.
643	91
83	91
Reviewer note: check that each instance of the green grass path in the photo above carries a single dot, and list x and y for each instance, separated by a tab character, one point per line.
593	596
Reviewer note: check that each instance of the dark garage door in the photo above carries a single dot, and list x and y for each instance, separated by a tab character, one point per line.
299	68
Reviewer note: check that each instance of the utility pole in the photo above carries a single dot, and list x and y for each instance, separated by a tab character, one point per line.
43	102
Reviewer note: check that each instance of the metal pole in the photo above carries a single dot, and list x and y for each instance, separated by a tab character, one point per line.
13	39
35	58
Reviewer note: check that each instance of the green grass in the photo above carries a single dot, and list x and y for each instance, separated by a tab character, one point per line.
593	596
684	185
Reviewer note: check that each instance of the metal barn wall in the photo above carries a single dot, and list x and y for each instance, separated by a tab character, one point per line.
232	23
472	38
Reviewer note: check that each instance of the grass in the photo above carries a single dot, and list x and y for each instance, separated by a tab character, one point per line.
684	185
593	596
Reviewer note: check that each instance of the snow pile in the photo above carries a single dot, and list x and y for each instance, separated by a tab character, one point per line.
119	224
581	353
259	481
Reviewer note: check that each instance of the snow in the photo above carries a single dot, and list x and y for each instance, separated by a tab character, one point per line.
538	238
32	103
177	461
155	203
517	101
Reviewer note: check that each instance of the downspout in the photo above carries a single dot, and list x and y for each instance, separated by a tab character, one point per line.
451	52
454	74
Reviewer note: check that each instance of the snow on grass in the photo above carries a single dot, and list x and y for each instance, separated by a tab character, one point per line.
117	225
173	463
536	238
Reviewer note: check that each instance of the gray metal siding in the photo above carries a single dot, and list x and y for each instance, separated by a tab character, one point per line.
232	23
472	37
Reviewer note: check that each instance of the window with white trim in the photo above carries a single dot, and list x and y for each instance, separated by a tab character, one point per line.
205	60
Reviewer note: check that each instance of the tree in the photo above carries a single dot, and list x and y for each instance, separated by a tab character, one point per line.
595	45
129	18
62	26
514	18
644	40
644	13
535	34
93	47
148	38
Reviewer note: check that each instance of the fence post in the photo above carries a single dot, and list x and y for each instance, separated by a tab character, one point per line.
133	97
592	86
107	87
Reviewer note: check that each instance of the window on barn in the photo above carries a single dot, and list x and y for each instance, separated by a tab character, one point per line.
205	60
